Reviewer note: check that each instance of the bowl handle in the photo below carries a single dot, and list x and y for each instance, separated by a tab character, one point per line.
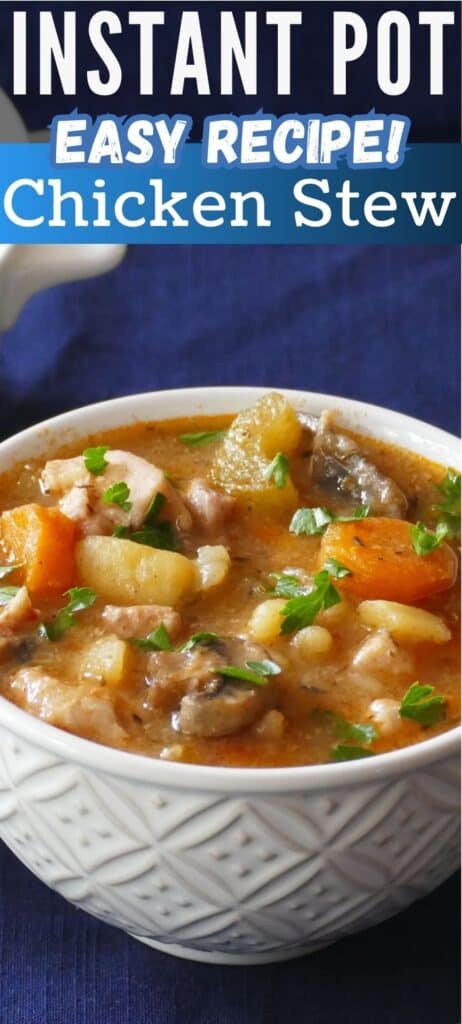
26	269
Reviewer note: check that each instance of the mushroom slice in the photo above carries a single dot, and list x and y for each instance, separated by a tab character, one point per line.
220	709
338	463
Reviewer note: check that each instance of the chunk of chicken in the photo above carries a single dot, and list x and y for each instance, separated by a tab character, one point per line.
81	493
378	653
338	462
139	620
210	508
385	713
87	712
76	503
17	613
60	475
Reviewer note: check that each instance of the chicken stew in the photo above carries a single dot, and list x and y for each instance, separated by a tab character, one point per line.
259	591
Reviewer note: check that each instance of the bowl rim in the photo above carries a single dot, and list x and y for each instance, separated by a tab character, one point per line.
122	763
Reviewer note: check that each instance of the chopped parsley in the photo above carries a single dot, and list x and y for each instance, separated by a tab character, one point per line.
424	541
94	459
160	536
155	507
118	494
358	732
264	668
152	533
80	598
286	585
347	752
449	509
313	521
354	736
255	672
5	570
7	594
200	640
301	611
158	640
336	569
203	437
278	470
423	705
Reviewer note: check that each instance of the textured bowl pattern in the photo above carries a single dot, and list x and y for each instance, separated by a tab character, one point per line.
245	876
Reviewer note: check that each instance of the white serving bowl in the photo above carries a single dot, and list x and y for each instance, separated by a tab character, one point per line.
228	865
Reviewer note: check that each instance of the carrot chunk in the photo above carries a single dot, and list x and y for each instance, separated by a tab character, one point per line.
382	561
43	539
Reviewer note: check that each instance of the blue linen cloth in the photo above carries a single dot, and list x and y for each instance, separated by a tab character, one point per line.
379	324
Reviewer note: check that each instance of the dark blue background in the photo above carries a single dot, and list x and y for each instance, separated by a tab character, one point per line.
434	118
379	324
376	323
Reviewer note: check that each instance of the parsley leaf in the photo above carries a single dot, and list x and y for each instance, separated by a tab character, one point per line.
301	611
347	752
255	672
7	594
310	520
336	569
155	507
449	509
287	585
421	706
359	732
424	541
278	470
152	533
200	639
203	437
5	570
118	494
314	521
160	536
80	598
94	459
265	667
158	640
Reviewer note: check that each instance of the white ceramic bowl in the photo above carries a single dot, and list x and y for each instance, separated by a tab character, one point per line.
219	864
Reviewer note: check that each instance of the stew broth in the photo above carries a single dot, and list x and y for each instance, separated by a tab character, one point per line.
325	688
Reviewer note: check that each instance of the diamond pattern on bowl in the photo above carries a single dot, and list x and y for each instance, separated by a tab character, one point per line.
237	873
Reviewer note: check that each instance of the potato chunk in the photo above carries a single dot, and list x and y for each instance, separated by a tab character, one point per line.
107	660
404	622
254	438
122	572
